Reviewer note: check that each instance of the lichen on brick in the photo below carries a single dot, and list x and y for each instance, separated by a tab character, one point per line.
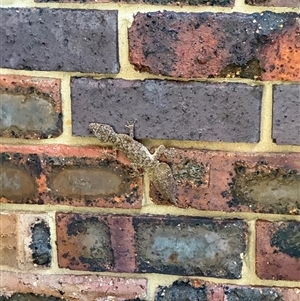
265	188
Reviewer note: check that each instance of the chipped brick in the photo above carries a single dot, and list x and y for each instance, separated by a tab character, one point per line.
59	40
169	110
209	45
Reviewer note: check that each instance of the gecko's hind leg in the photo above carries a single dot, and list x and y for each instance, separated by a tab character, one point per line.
130	126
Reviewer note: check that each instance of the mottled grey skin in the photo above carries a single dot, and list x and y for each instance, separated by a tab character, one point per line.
160	174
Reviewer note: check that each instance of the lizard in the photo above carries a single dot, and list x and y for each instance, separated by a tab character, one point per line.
160	173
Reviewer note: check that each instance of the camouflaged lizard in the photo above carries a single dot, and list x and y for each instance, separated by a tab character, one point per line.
160	173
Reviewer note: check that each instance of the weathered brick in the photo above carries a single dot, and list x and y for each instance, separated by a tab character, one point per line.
95	243
8	239
168	109
259	46
34	287
59	39
195	290
67	175
286	113
30	107
226	181
190	246
278	250
20	244
288	3
155	2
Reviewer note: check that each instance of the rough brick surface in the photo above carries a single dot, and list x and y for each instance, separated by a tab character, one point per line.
36	287
30	107
67	175
190	246
59	39
286	113
171	245
169	110
225	181
155	2
259	46
22	245
288	3
278	250
196	289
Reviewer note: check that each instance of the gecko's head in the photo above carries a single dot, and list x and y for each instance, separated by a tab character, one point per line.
103	132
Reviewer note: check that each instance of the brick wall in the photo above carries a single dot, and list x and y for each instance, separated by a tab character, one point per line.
217	82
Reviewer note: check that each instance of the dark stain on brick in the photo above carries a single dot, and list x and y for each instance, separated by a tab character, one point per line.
40	245
29	297
287	239
83	180
181	290
18	172
248	293
264	188
93	241
227	45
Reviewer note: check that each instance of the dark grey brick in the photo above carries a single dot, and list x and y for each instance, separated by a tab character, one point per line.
169	109
190	246
286	114
59	39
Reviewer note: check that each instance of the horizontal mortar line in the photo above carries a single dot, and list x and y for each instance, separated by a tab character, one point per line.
139	76
135	8
164	210
169	278
180	144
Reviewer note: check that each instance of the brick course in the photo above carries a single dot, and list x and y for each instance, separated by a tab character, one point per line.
75	179
59	40
169	110
287	3
258	46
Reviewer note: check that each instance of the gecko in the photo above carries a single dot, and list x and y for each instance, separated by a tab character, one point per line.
160	173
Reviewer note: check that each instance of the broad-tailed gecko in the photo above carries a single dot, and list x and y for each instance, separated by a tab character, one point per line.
160	173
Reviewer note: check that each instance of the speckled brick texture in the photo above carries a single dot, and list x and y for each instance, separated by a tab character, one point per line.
59	40
278	250
152	244
286	114
274	3
196	289
225	181
258	46
30	107
34	287
169	110
64	175
154	2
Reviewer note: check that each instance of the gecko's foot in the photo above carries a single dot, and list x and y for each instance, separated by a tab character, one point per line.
130	125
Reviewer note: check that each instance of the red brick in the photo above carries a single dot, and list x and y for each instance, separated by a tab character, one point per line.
196	289
73	287
277	250
216	45
32	107
68	175
228	181
16	241
287	3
